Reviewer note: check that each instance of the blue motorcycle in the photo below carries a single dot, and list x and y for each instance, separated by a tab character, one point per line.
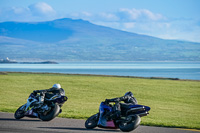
46	112
128	119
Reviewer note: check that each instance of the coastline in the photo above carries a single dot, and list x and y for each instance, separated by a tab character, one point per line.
159	78
44	62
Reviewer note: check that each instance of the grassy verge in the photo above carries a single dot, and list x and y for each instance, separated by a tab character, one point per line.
173	103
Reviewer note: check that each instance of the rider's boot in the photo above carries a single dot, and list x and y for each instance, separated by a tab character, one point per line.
115	114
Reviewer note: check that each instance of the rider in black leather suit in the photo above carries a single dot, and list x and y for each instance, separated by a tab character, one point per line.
48	93
119	107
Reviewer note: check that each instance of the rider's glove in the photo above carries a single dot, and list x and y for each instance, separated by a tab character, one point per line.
107	101
35	93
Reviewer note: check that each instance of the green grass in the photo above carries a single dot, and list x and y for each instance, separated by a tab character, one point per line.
173	103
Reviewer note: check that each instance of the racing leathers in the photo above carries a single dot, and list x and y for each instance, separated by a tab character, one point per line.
118	107
48	93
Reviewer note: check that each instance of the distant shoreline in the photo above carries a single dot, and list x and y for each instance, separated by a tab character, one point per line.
14	62
160	78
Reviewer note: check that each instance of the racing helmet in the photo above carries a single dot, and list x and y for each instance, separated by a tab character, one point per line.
57	86
129	94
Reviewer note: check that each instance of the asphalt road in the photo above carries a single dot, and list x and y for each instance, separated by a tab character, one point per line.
8	124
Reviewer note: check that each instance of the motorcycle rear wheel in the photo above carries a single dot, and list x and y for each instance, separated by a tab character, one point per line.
91	122
127	126
19	113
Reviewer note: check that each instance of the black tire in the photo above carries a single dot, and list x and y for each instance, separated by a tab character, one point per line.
91	122
130	126
19	113
51	114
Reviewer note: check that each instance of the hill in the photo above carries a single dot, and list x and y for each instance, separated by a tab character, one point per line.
79	40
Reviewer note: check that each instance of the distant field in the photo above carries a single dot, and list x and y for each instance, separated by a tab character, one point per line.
173	103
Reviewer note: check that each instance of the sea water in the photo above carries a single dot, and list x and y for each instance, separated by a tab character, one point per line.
181	70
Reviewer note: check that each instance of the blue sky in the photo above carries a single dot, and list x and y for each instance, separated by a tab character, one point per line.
169	19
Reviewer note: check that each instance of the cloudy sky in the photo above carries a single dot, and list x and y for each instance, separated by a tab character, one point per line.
169	19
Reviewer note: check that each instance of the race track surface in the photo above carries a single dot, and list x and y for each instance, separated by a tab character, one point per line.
8	124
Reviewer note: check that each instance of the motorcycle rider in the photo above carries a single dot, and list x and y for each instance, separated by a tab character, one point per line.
48	93
128	99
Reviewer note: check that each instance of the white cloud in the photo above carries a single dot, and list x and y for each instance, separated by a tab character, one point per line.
126	14
81	15
87	14
108	16
42	9
151	15
14	14
18	10
182	29
36	12
122	15
129	25
143	21
140	21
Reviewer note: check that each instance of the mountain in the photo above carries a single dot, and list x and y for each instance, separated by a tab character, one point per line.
78	40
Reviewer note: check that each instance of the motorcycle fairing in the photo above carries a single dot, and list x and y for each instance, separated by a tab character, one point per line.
102	118
28	108
30	113
58	99
146	108
31	99
61	99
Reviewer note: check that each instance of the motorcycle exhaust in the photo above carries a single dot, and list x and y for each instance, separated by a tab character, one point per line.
136	109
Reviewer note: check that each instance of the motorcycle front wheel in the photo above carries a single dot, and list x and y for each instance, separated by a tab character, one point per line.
91	122
19	113
131	124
